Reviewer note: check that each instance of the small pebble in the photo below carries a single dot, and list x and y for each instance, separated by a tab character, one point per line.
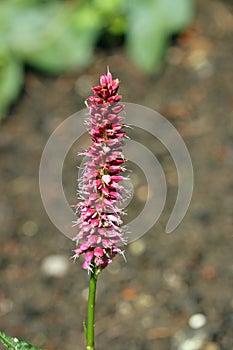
197	321
137	248
211	346
125	308
29	228
144	301
188	339
172	279
191	344
208	272
55	265
129	293
142	193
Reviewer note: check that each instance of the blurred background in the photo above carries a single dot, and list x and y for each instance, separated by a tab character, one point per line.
175	291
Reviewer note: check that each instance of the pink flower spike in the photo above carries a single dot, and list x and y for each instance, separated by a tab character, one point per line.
99	211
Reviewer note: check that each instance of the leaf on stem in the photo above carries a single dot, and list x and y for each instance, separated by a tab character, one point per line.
15	344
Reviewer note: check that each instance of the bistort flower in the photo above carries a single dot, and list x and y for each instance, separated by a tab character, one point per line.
101	191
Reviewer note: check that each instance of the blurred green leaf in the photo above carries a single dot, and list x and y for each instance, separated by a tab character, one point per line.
118	26
151	22
54	38
112	15
64	53
11	80
177	14
58	36
147	35
109	7
85	17
30	26
15	344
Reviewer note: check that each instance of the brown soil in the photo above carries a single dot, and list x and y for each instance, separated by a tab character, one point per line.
143	303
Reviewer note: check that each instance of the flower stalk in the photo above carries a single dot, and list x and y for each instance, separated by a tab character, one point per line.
90	331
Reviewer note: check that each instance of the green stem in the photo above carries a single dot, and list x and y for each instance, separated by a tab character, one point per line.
90	332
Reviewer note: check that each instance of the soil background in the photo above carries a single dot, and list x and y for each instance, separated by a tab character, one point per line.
144	304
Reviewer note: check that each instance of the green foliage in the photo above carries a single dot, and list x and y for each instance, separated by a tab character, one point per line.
151	23
15	344
11	79
57	36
